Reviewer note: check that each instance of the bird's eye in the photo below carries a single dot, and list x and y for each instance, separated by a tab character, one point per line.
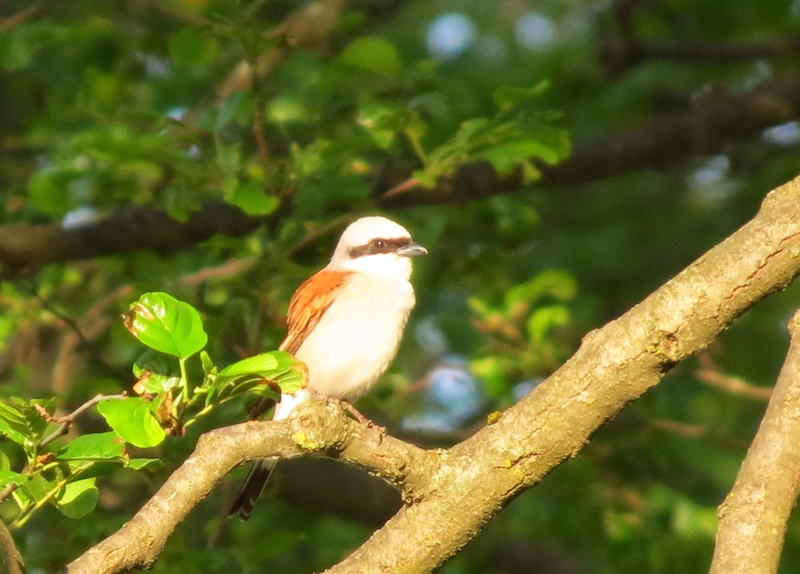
378	243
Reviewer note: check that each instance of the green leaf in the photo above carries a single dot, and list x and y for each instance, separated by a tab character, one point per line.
144	463
10	477
96	446
156	373
133	420
506	97
252	199
286	109
506	156
12	424
228	109
47	194
209	369
379	120
165	324
21	422
191	48
78	498
556	283
254	373
544	319
492	374
374	54
44	484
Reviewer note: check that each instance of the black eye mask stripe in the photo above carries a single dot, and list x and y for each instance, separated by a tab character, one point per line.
379	245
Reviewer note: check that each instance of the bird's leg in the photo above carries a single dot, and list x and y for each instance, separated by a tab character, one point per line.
354	412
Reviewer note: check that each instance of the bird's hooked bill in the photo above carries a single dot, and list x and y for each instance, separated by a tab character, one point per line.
412	250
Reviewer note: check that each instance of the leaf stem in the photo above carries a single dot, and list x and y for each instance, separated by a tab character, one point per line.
184	380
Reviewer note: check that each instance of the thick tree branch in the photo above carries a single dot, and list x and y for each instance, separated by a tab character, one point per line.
614	365
449	495
628	50
755	513
316	427
714	122
24	246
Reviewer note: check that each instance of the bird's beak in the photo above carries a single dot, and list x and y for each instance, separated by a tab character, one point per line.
412	250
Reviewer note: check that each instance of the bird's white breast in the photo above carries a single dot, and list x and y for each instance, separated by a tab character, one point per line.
358	336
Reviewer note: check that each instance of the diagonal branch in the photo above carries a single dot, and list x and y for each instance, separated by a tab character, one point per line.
755	513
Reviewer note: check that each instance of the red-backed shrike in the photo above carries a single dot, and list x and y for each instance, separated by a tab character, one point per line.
345	324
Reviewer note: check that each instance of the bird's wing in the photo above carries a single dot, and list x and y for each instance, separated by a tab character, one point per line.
309	304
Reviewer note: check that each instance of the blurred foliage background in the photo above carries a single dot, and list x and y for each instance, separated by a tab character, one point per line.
305	116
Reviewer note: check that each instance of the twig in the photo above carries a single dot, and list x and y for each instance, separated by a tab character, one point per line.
398	189
11	555
7	24
66	319
689	430
710	374
7	490
67	420
229	269
313	234
258	118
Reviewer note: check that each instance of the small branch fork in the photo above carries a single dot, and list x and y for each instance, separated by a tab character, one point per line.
65	421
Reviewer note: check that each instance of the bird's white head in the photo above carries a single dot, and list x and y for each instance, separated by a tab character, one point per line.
376	245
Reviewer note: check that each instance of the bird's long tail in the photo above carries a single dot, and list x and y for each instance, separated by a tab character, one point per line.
254	484
251	488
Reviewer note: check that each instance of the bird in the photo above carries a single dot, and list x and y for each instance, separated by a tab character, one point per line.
345	324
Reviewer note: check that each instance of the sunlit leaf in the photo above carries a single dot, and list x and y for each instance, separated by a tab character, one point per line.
9	477
96	446
506	96
78	498
133	420
267	374
374	54
253	200
22	422
167	325
544	319
155	373
144	463
555	283
189	47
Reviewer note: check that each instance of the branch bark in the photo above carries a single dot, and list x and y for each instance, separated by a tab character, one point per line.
755	513
449	495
